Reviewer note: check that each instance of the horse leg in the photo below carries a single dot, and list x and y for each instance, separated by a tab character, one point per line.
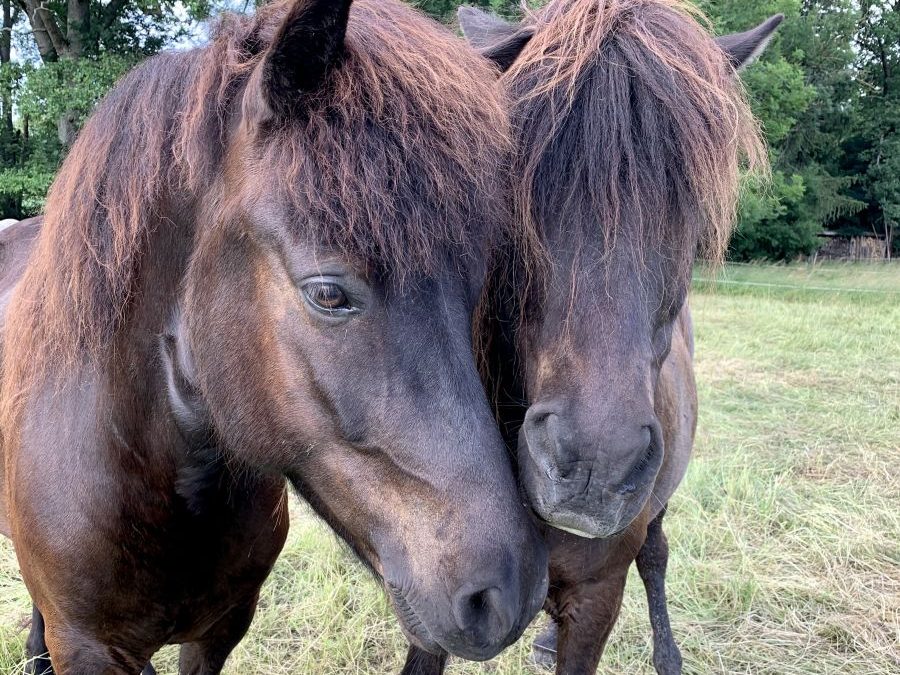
36	647
73	653
207	656
420	662
38	654
543	649
652	561
589	615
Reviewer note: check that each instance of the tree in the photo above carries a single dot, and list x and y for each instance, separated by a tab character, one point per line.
59	57
875	147
827	92
74	36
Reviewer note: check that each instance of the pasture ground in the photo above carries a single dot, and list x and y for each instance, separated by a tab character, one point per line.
785	536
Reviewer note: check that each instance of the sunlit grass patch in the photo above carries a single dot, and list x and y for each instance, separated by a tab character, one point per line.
785	536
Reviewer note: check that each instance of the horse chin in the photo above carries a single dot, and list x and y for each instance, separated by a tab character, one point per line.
579	525
582	522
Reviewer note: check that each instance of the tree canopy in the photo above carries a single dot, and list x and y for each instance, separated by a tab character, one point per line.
827	92
57	59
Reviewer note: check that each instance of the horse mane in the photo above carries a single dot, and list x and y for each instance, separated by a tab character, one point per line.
627	112
394	161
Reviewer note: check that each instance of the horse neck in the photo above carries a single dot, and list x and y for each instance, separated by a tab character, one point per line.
125	389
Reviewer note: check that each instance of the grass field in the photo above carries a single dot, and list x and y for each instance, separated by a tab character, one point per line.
785	536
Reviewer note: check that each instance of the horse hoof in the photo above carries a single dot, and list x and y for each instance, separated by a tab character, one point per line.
668	664
148	670
543	651
39	665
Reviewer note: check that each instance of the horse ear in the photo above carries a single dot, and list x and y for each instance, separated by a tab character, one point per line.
743	48
309	41
496	39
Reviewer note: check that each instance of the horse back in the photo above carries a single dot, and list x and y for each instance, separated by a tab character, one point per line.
16	242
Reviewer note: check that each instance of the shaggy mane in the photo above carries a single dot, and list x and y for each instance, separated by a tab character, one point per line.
626	112
395	161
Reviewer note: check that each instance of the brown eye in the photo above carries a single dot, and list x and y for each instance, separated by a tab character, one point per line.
327	297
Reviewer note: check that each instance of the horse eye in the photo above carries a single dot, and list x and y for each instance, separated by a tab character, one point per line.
327	297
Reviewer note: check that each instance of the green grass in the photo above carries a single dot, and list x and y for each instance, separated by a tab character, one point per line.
785	536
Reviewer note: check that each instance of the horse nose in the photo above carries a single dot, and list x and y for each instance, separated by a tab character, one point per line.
628	451
484	613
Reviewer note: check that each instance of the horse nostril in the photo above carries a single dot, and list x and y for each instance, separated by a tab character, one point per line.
477	602
482	614
546	437
537	418
645	460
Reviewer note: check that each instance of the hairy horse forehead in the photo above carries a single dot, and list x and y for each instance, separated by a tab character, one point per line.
402	155
629	118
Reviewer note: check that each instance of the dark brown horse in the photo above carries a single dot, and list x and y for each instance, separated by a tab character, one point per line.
631	126
260	259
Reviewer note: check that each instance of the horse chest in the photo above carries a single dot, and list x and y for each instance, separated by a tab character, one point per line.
220	556
136	548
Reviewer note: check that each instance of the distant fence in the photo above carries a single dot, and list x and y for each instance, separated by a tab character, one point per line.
856	249
710	281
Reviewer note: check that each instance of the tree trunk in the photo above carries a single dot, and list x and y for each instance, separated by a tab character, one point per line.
6	38
10	202
10	17
66	129
78	27
889	239
41	35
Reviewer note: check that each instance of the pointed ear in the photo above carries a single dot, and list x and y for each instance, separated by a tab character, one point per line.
309	41
743	48
496	39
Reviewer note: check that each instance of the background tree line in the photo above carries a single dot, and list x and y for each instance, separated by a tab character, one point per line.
827	91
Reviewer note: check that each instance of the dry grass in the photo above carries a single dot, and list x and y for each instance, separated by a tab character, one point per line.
785	535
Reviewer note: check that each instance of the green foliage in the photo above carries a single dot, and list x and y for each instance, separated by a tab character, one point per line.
49	88
29	184
828	109
827	93
776	223
445	10
69	86
780	96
